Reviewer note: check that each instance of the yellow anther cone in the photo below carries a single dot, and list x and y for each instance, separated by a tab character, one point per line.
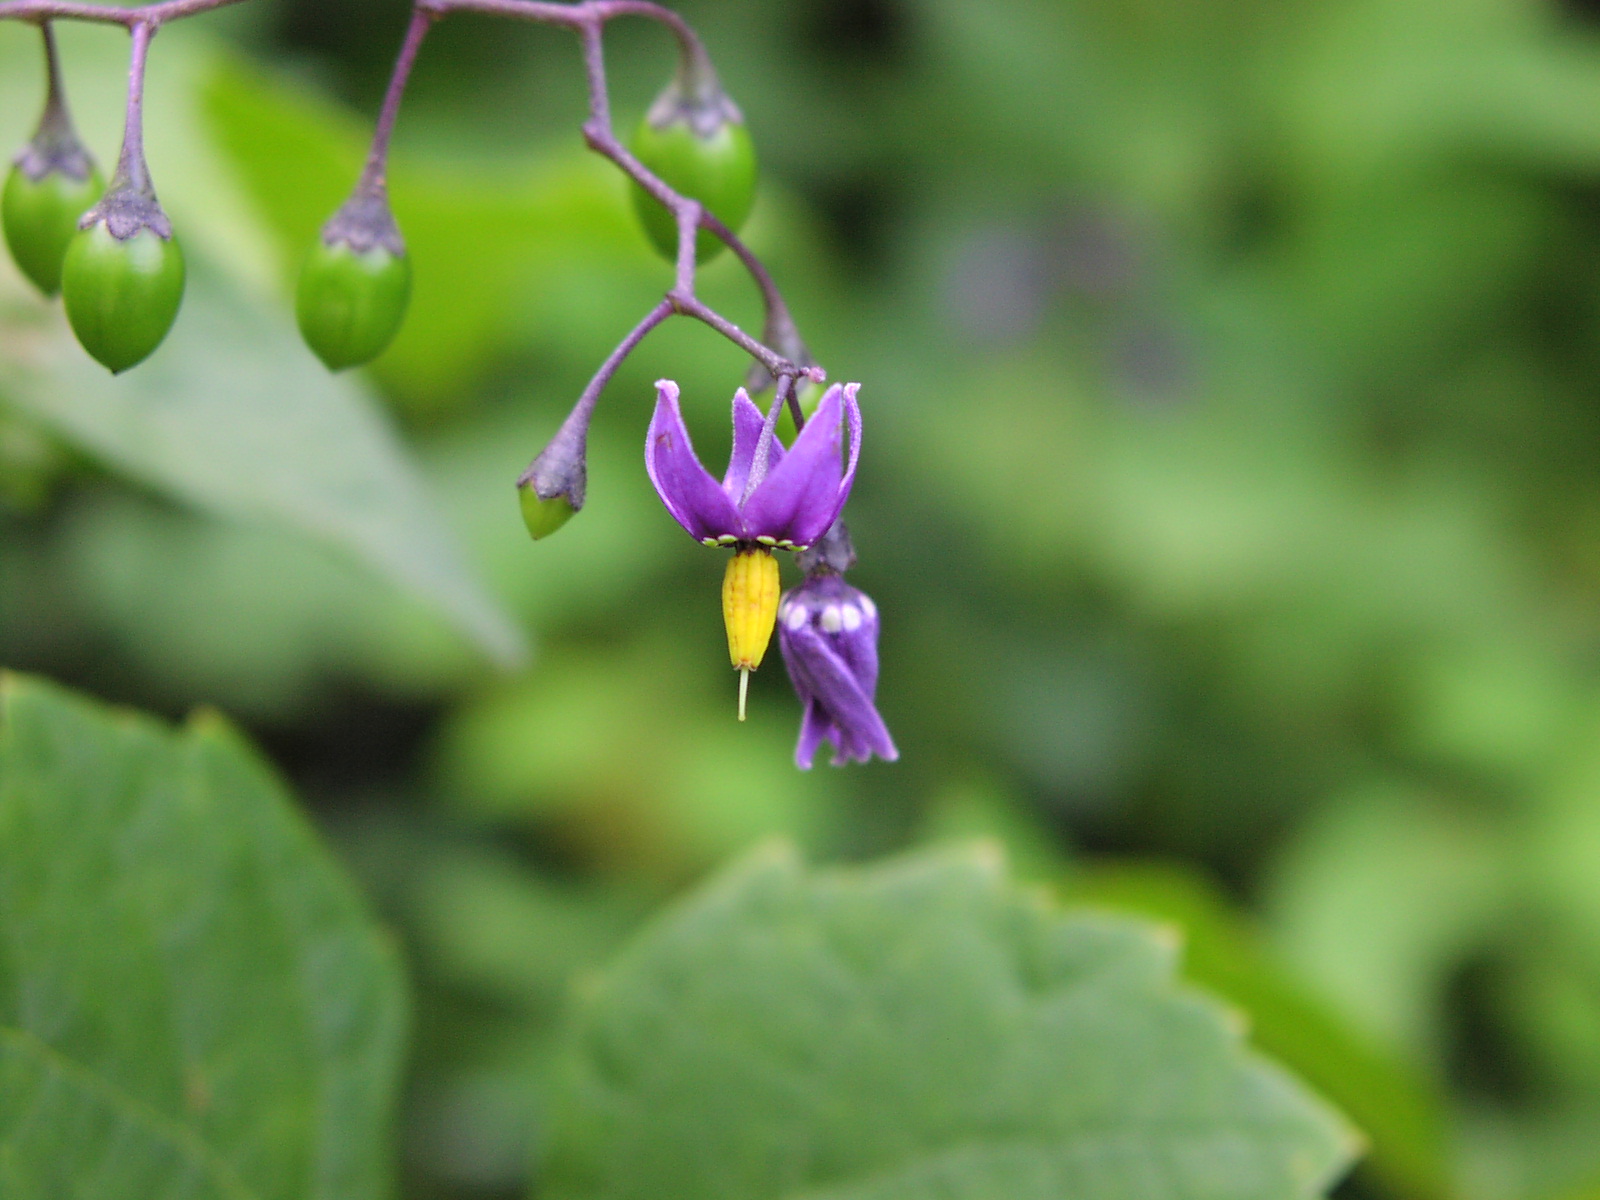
750	610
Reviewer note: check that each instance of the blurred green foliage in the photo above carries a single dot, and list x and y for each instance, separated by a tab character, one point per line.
197	1003
1231	494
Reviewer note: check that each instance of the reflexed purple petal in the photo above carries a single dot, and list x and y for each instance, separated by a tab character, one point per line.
857	730
747	423
801	496
852	412
815	728
691	495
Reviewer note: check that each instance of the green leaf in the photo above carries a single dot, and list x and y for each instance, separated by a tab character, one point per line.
918	1029
1399	1108
193	1000
234	416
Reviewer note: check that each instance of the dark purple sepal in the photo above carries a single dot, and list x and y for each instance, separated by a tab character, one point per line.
828	634
365	221
55	149
128	209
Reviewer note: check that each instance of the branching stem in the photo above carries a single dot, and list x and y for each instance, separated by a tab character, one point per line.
779	353
588	20
374	178
153	15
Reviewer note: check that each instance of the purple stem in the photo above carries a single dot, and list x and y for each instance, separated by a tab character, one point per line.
574	431
588	19
794	404
594	69
64	10
55	96
374	177
54	142
132	172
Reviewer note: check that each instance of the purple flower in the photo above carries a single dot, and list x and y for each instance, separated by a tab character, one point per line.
828	632
770	496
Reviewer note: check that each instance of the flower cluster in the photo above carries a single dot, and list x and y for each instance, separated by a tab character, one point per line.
776	498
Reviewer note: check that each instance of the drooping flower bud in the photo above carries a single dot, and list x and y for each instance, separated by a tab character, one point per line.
828	633
552	489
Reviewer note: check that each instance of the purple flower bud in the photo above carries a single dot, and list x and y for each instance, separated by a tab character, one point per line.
771	496
828	632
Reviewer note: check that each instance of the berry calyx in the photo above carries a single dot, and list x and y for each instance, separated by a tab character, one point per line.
694	138
122	278
355	284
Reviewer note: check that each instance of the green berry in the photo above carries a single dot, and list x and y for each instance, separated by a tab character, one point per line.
543	517
121	295
351	302
717	167
41	217
811	394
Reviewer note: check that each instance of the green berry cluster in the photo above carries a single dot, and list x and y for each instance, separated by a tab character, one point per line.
111	255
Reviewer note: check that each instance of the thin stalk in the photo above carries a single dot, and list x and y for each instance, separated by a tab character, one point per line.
374	177
132	171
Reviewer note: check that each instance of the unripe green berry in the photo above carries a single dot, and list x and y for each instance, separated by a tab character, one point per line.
700	150
810	393
121	294
350	302
41	216
543	517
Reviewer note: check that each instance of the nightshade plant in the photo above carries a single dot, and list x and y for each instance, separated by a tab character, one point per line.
194	1002
693	171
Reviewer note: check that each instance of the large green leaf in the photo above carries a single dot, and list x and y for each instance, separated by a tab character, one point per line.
1399	1108
918	1029
193	1000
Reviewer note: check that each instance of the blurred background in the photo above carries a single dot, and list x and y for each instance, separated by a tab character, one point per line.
1230	492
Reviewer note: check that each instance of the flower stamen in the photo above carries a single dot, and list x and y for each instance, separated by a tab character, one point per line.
749	610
